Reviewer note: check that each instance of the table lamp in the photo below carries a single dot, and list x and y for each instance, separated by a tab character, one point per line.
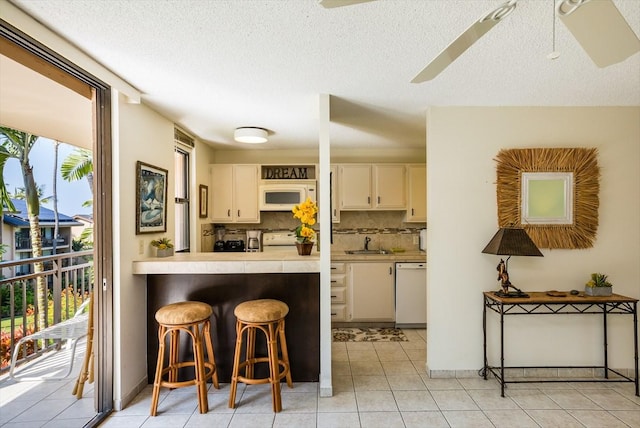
510	241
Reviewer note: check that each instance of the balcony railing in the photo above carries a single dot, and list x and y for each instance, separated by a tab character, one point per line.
68	278
24	243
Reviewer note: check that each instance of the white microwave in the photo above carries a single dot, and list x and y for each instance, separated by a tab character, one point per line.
283	196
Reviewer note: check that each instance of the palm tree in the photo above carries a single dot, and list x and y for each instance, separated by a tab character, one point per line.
76	166
17	145
56	217
19	193
5	196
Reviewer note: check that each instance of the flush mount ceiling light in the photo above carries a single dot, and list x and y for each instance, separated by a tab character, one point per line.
251	135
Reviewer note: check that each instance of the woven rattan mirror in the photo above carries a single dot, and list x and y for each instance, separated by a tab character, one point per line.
552	193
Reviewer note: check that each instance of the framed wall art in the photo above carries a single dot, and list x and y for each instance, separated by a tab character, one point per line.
203	200
550	192
151	198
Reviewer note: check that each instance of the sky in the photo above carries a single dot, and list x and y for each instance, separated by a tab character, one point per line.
71	196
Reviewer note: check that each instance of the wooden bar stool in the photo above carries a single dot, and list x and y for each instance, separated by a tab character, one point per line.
266	315
193	319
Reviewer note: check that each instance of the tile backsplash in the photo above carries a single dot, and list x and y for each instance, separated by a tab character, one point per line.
385	228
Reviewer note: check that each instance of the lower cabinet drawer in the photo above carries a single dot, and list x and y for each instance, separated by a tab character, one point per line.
338	294
337	268
338	312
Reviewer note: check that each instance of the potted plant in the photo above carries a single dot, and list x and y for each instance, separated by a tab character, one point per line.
598	285
164	246
306	213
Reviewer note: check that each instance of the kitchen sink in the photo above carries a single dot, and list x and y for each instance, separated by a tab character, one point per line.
365	252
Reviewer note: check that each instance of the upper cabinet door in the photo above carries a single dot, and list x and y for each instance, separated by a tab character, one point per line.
417	209
355	186
234	193
391	188
245	192
221	195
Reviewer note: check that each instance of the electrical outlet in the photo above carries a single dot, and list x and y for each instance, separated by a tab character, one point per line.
416	240
140	246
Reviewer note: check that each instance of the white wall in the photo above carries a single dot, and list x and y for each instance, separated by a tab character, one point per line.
140	134
462	218
202	156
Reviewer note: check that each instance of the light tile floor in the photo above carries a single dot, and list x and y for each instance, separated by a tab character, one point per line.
50	404
384	384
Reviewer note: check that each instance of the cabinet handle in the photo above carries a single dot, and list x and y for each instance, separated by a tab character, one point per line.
228	213
333	268
378	199
333	297
333	314
412	211
390	271
238	213
334	281
334	212
368	199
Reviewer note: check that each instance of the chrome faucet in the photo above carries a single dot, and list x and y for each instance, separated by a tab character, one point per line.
366	242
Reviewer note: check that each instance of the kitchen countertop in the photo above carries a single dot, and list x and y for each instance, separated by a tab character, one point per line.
220	263
264	262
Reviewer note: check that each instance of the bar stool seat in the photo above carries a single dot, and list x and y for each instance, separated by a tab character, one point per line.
266	315
193	318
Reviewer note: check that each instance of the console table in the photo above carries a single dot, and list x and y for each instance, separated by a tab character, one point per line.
540	303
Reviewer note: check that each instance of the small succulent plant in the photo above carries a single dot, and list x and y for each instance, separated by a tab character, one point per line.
598	280
162	243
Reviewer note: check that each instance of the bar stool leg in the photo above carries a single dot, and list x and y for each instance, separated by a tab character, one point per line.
158	377
207	340
285	353
274	367
236	366
201	381
174	343
251	351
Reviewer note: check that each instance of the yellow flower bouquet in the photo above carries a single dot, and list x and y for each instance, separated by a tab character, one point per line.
306	212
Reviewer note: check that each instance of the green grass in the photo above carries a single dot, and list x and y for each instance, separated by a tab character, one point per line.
5	323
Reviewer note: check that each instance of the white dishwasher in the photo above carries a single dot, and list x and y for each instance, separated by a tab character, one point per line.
411	295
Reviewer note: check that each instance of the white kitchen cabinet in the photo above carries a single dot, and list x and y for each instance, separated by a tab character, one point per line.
417	207
390	186
371	294
338	292
335	199
234	193
355	186
377	187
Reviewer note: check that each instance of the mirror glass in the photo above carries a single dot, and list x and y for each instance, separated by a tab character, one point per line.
547	198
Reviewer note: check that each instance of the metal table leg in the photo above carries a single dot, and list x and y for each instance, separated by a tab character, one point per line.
501	350
635	343
484	335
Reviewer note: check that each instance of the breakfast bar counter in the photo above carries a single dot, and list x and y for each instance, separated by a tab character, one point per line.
223	280
206	263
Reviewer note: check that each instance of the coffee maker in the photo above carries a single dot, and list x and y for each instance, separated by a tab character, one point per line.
254	241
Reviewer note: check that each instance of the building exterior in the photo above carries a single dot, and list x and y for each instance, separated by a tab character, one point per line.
16	235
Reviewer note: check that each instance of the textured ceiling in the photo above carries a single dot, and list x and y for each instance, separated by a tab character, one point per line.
212	66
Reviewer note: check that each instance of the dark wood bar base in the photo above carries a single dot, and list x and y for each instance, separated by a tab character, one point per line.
300	291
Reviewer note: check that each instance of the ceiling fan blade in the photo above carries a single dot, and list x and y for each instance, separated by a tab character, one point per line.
339	3
600	29
464	42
